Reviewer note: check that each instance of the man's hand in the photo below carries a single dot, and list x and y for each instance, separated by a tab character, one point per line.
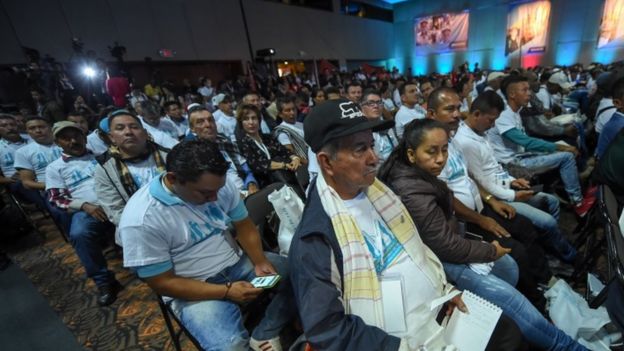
252	188
500	251
520	184
493	227
523	195
242	291
95	211
264	268
567	148
502	208
456	302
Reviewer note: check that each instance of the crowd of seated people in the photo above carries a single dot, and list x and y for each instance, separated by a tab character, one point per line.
428	179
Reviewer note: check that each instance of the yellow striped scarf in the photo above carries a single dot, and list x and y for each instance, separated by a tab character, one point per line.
362	292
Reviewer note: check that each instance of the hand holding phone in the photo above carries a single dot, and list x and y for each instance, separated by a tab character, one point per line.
266	282
538	188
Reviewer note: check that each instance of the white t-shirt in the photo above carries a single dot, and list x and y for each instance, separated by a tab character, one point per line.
482	164
157	227
36	157
75	175
544	96
392	262
406	115
384	144
166	139
313	166
182	126
143	171
7	156
505	150
164	126
205	91
225	124
283	137
95	144
605	116
455	175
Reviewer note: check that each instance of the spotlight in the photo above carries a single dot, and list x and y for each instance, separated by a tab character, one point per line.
265	52
88	72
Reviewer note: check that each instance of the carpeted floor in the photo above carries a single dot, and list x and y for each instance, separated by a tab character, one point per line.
133	322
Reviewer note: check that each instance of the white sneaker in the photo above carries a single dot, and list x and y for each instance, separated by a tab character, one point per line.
265	345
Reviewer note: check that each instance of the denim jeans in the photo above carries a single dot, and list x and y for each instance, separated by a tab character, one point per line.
86	235
543	211
218	324
535	328
566	164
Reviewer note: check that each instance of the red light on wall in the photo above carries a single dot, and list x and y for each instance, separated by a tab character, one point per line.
166	53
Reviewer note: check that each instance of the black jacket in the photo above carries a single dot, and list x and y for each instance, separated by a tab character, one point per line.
316	274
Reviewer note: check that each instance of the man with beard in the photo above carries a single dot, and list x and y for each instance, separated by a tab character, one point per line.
70	187
131	162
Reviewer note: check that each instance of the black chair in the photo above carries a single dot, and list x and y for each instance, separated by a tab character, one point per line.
615	243
168	315
263	215
591	243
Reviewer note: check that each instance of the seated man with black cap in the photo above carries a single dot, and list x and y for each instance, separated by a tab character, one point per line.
354	240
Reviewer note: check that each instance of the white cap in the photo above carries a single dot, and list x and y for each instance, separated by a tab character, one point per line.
561	80
494	75
217	99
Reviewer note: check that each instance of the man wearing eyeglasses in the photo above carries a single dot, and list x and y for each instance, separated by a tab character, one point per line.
372	108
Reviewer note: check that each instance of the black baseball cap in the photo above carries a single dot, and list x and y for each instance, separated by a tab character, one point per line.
337	118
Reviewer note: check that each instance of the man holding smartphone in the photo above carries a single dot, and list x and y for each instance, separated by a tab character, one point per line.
175	235
540	208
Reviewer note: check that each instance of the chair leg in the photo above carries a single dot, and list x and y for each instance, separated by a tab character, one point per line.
601	297
175	337
24	214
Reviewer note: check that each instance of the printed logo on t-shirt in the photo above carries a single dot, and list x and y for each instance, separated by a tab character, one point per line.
390	246
207	229
455	167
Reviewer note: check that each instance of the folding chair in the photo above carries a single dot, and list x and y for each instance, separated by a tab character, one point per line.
615	243
168	315
587	237
261	212
250	312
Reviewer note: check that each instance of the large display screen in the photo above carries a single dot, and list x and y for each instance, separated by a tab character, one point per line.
527	28
447	31
612	25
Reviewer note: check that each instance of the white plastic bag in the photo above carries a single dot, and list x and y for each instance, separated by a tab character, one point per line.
289	207
570	312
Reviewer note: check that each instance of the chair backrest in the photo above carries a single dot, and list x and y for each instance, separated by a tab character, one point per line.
615	238
259	208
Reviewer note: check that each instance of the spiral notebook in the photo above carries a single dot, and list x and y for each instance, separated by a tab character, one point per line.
471	331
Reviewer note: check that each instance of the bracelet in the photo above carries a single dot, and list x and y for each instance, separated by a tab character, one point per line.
228	285
488	198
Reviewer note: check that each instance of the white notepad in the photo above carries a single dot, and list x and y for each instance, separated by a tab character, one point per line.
394	310
471	331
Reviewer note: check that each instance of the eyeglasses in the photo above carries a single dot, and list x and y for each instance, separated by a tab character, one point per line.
372	103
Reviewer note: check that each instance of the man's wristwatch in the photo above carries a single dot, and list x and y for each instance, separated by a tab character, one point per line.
488	198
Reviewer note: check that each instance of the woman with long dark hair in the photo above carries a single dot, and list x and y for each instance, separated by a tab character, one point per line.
483	268
269	160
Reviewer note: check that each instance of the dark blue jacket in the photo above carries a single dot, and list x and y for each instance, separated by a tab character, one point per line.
317	285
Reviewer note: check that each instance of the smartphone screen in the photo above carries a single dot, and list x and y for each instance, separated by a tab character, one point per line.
265	282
